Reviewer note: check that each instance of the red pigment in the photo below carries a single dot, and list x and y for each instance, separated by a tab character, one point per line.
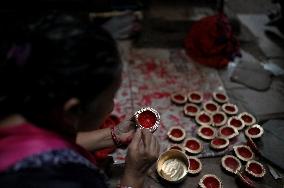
207	132
192	144
236	123
227	131
230	108
221	96
147	119
204	118
176	133
211	182
244	152
231	163
195	96
211	107
218	118
219	141
254	131
191	109
179	97
255	168
193	164
247	118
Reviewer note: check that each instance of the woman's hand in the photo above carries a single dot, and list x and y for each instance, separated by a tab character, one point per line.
143	152
125	131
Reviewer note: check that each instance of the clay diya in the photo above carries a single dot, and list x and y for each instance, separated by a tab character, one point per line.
219	119
247	118
176	134
177	147
243	152
254	131
147	118
206	132
228	132
195	97
191	110
231	164
210	107
203	118
195	165
236	122
255	169
178	98
219	143
245	181
193	146
210	181
220	97
230	109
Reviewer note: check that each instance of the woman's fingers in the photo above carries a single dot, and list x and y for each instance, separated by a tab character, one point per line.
136	139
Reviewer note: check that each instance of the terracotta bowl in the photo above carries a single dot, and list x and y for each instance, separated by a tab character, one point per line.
193	146
176	134
195	97
219	119
178	98
236	122
247	118
203	118
210	181
231	164
228	132
243	152
191	110
255	131
206	132
230	109
195	165
210	107
220	97
147	118
245	181
255	169
176	147
219	143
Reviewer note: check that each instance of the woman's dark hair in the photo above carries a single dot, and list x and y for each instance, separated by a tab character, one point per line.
57	58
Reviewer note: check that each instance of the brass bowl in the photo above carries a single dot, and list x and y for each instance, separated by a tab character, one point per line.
172	166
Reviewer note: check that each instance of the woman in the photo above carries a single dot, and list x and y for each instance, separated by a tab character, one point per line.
59	79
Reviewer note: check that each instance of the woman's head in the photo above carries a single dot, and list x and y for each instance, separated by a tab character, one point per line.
60	69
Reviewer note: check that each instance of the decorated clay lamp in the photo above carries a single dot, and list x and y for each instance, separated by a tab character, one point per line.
203	118
255	169
228	132
195	97
176	134
230	109
193	146
178	98
245	181
147	118
231	164
219	143
243	152
210	107
220	97
254	131
191	110
206	132
195	165
236	122
247	118
219	119
210	181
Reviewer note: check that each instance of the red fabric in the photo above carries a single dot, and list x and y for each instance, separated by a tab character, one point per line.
210	41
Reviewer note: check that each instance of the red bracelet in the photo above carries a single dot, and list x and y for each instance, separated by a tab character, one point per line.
115	139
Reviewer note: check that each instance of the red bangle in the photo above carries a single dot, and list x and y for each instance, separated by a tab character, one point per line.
115	139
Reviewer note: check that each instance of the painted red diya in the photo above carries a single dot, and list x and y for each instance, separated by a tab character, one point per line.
147	118
176	134
219	119
191	110
219	143
203	118
247	118
243	152
255	169
210	107
254	131
206	132
193	146
231	164
195	97
220	97
177	147
236	122
178	98
228	132
195	165
245	181
230	109
210	181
